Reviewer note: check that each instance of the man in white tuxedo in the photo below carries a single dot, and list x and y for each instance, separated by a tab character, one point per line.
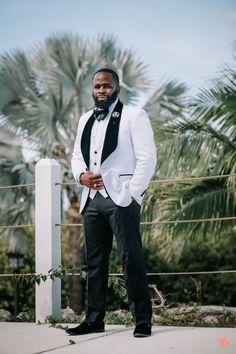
114	158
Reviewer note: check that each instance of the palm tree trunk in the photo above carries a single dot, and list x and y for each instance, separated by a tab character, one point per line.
76	257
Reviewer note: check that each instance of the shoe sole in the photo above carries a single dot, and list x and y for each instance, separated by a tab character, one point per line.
141	335
82	334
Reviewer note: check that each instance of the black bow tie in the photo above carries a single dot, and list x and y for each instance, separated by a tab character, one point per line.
100	113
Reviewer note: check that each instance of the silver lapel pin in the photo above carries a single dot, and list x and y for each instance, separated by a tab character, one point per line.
115	115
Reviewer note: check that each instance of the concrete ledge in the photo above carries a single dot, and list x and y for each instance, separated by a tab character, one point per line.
29	338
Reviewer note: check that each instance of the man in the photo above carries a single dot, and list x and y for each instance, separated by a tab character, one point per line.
114	158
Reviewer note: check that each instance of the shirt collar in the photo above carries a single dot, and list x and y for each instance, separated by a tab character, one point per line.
112	106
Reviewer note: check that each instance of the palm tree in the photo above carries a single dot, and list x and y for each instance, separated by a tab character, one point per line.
202	145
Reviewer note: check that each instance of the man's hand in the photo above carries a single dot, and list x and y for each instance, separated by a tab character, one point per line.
92	180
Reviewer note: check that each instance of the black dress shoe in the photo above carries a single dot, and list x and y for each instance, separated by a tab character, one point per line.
85	328
143	330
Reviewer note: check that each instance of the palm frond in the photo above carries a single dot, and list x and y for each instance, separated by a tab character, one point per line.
167	102
216	104
186	203
17	78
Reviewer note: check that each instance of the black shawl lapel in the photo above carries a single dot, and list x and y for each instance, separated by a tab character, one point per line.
85	140
111	137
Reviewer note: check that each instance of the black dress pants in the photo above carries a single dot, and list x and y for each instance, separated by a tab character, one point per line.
102	218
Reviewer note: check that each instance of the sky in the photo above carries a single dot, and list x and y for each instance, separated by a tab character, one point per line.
188	40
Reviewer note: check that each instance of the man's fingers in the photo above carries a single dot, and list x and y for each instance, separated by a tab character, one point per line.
94	181
95	176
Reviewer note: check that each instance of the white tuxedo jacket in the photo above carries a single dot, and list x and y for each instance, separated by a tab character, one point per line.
128	156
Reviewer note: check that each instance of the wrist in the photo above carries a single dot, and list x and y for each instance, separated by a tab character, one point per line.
80	177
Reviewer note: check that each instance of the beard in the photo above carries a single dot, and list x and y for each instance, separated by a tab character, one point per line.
107	102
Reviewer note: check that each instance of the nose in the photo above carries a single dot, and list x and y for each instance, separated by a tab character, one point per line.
102	88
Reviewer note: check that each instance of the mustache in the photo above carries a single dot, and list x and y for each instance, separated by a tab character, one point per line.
108	102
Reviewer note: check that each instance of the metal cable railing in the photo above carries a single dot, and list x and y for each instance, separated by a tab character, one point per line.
184	179
228	218
212	272
18	186
47	231
177	180
163	222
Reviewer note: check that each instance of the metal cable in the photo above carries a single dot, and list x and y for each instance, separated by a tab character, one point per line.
170	221
230	218
184	179
122	274
155	181
15	226
18	186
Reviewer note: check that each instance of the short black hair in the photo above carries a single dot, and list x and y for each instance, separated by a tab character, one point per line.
108	70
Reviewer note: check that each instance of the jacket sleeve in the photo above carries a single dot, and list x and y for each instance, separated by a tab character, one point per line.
145	153
78	165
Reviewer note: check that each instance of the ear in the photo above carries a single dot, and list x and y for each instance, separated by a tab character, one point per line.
118	89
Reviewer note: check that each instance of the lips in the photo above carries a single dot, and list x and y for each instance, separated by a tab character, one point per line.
101	97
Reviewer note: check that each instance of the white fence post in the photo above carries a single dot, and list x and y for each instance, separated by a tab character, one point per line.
47	237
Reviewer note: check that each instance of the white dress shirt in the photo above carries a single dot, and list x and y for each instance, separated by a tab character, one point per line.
96	145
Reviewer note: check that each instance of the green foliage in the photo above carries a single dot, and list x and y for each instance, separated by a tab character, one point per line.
25	287
201	144
6	288
118	286
197	255
119	317
52	320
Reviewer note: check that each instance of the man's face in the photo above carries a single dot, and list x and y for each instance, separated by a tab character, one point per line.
105	89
